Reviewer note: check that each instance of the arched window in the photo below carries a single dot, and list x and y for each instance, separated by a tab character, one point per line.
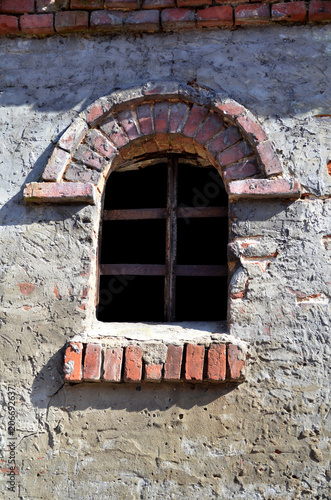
163	243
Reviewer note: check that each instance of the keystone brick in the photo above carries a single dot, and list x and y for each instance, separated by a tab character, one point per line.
177	19
252	14
158	4
54	192
319	11
71	21
38	24
292	12
193	3
73	362
90	158
141	20
98	141
8	25
236	362
212	125
161	111
235	153
153	373
77	172
106	19
128	124
145	119
215	16
133	364
251	127
122	4
177	114
216	369
173	363
269	159
56	165
241	170
92	362
195	357
73	135
16	6
113	364
111	128
194	120
52	5
259	188
227	138
86	4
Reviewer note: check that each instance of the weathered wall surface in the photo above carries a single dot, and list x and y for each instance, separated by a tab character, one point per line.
266	438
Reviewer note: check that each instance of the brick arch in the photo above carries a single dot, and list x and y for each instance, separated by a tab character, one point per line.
127	127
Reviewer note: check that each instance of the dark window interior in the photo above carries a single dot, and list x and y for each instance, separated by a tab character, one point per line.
133	258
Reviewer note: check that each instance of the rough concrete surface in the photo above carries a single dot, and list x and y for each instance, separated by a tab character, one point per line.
267	438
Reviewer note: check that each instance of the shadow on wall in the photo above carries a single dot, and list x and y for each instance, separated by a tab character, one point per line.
49	390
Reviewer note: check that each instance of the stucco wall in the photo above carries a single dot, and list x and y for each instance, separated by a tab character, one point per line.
266	438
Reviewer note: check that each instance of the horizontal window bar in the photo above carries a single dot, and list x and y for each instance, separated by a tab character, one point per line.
161	213
159	270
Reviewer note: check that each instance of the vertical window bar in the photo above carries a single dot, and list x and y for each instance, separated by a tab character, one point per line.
171	242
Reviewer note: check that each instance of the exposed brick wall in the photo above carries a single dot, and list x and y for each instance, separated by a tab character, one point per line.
92	362
46	17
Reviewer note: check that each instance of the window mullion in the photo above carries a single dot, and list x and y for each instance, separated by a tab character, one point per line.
171	242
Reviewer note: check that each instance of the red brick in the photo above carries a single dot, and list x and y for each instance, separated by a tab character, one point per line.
193	3
319	11
143	20
177	19
71	21
230	108
55	192
73	362
150	146
56	165
8	25
111	128
122	4
177	114
212	125
216	368
194	363
106	19
133	364
52	5
225	139
236	362
215	16
269	158
173	363
86	4
292	12
112	364
127	122
153	373
37	24
259	188
241	170
257	13
251	127
73	135
194	120
78	172
235	153
99	142
16	6
158	4
92	362
145	119
161	111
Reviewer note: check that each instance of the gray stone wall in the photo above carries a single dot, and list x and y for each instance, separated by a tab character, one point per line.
266	438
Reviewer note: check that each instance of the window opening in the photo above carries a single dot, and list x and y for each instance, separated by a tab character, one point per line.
163	244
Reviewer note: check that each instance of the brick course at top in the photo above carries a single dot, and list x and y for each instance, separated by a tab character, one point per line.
46	17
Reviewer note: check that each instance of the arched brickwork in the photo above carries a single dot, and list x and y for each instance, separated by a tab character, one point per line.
127	127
